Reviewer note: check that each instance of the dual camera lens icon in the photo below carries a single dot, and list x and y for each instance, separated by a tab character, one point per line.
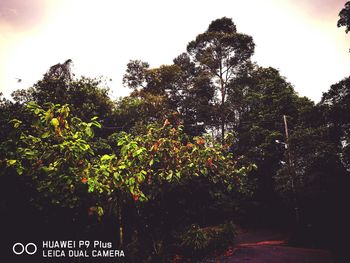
20	248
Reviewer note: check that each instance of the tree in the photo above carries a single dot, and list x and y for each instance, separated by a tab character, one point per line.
56	156
133	113
55	153
260	99
85	96
221	53
264	98
182	178
8	111
195	99
197	83
185	91
344	19
336	105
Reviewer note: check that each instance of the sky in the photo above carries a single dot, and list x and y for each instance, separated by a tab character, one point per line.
298	37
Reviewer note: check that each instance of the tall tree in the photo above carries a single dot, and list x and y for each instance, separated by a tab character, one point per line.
221	52
198	82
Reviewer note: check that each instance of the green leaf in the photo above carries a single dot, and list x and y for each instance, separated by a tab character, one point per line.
91	187
106	157
122	167
89	131
11	162
116	176
16	123
32	105
100	211
138	152
133	145
45	135
96	124
132	181
55	122
84	147
19	170
170	175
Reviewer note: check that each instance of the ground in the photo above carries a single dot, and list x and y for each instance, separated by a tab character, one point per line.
270	246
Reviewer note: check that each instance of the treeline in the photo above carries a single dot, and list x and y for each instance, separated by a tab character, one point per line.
196	143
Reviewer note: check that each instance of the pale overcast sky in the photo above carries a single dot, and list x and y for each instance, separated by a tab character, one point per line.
298	37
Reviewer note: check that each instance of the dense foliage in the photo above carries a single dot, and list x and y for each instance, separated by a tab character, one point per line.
196	144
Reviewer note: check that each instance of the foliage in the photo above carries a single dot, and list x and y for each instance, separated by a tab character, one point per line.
55	152
197	242
184	90
309	148
136	111
182	179
257	104
336	104
222	53
198	82
85	95
151	168
166	155
344	17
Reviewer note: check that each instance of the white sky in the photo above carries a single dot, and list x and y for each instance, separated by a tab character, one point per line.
299	37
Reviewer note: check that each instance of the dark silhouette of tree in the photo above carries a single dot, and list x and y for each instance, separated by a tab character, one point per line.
221	52
60	71
87	96
260	99
136	73
344	19
336	105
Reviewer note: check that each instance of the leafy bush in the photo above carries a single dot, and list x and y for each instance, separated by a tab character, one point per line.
197	242
143	184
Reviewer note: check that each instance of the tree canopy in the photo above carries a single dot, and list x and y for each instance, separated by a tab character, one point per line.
344	17
210	138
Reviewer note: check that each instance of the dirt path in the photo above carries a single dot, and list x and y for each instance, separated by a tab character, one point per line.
267	246
257	253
